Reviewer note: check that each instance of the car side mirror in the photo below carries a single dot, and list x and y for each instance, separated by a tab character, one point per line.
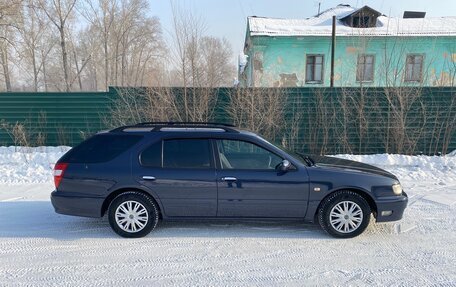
285	165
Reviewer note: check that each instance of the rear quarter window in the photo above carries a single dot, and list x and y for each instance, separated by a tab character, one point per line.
100	148
152	156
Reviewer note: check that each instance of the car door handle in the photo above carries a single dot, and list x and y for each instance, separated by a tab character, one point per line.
229	178
148	177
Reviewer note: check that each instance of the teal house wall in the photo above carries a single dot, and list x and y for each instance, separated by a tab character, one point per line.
277	57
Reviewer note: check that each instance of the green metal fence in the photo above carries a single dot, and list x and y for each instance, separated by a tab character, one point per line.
319	120
51	118
374	120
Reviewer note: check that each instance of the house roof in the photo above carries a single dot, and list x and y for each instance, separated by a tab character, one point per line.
362	10
320	25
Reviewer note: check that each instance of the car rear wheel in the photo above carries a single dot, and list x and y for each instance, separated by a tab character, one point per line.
344	214
133	214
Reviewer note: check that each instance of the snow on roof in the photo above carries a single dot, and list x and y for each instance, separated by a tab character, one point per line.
320	25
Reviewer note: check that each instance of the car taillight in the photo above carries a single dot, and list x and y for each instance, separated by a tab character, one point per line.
59	170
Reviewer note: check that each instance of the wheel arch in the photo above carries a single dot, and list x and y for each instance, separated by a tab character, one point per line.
115	193
368	197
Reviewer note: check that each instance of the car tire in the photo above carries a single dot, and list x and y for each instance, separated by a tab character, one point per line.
133	214
344	214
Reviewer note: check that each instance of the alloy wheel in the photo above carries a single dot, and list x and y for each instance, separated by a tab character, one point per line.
131	216
346	216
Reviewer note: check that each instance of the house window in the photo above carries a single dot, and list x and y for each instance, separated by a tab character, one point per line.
365	68
314	69
361	21
413	68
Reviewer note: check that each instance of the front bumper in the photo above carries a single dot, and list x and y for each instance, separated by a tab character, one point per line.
75	204
393	205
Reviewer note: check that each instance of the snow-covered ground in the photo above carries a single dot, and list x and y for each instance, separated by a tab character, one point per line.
41	248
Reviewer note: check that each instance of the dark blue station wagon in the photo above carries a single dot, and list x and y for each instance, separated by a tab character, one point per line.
140	174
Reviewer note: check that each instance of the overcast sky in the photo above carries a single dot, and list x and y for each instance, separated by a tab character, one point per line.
227	18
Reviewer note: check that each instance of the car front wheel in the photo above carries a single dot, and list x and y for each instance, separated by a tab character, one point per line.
344	214
133	214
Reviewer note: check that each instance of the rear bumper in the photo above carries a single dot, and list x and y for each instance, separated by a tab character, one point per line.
74	204
394	205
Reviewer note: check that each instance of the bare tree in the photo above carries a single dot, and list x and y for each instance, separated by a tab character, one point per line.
5	39
88	58
130	41
186	34
143	49
117	43
188	29
101	15
216	62
259	110
199	60
9	10
35	43
59	12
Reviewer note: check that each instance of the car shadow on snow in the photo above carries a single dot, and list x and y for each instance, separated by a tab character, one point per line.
28	219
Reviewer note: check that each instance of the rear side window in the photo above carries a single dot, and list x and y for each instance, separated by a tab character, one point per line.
100	148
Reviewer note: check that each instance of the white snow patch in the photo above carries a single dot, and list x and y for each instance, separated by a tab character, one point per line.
242	61
430	168
19	165
449	199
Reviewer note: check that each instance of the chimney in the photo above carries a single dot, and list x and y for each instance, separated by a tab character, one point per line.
413	14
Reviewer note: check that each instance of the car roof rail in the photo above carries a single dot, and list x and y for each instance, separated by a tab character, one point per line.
185	124
179	126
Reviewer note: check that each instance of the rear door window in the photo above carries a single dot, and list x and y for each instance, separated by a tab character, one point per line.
100	148
187	153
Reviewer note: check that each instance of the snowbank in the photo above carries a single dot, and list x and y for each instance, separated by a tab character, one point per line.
19	165
405	167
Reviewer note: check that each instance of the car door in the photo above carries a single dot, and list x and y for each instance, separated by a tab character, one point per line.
181	173
249	185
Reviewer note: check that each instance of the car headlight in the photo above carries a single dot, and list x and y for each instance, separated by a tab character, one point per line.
397	189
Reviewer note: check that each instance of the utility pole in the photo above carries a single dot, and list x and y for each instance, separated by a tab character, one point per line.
333	48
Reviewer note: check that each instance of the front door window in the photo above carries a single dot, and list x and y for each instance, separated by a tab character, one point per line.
235	154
